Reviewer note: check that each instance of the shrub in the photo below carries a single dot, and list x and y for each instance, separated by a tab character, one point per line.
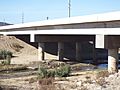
44	73
5	54
51	73
63	71
8	59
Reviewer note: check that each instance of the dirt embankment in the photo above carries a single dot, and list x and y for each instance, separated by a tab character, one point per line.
23	53
15	45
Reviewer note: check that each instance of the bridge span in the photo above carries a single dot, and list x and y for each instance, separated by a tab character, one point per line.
101	30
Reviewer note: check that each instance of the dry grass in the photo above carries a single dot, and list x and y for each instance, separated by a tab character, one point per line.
101	82
12	67
100	77
101	74
7	88
46	84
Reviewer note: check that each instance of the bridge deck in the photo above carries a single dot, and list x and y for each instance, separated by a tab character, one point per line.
91	31
105	17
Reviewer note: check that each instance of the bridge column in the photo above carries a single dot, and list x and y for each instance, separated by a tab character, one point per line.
94	54
41	51
60	51
78	51
113	60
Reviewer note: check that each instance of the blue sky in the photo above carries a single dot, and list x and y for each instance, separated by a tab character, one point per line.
37	10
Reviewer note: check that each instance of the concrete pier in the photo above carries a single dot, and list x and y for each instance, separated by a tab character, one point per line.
113	60
60	51
41	53
94	54
78	51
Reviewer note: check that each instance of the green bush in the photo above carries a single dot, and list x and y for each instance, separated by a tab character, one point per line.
8	59
51	73
42	72
63	71
5	54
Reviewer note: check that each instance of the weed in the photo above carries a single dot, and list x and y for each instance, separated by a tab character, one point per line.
103	73
100	77
46	84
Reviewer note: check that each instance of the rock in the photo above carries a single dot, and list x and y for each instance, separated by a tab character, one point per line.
79	83
111	76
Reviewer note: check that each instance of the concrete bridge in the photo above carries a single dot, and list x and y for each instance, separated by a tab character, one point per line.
101	30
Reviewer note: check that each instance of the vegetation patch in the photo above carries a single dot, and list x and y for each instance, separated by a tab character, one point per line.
6	57
62	71
44	73
5	53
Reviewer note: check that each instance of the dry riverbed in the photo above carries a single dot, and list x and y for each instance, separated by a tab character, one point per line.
89	78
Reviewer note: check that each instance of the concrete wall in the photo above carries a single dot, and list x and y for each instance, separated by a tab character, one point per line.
64	38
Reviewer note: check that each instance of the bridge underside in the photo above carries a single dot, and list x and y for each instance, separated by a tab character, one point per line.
64	38
66	44
110	42
72	47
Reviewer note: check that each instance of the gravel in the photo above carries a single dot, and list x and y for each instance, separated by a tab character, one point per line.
112	82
